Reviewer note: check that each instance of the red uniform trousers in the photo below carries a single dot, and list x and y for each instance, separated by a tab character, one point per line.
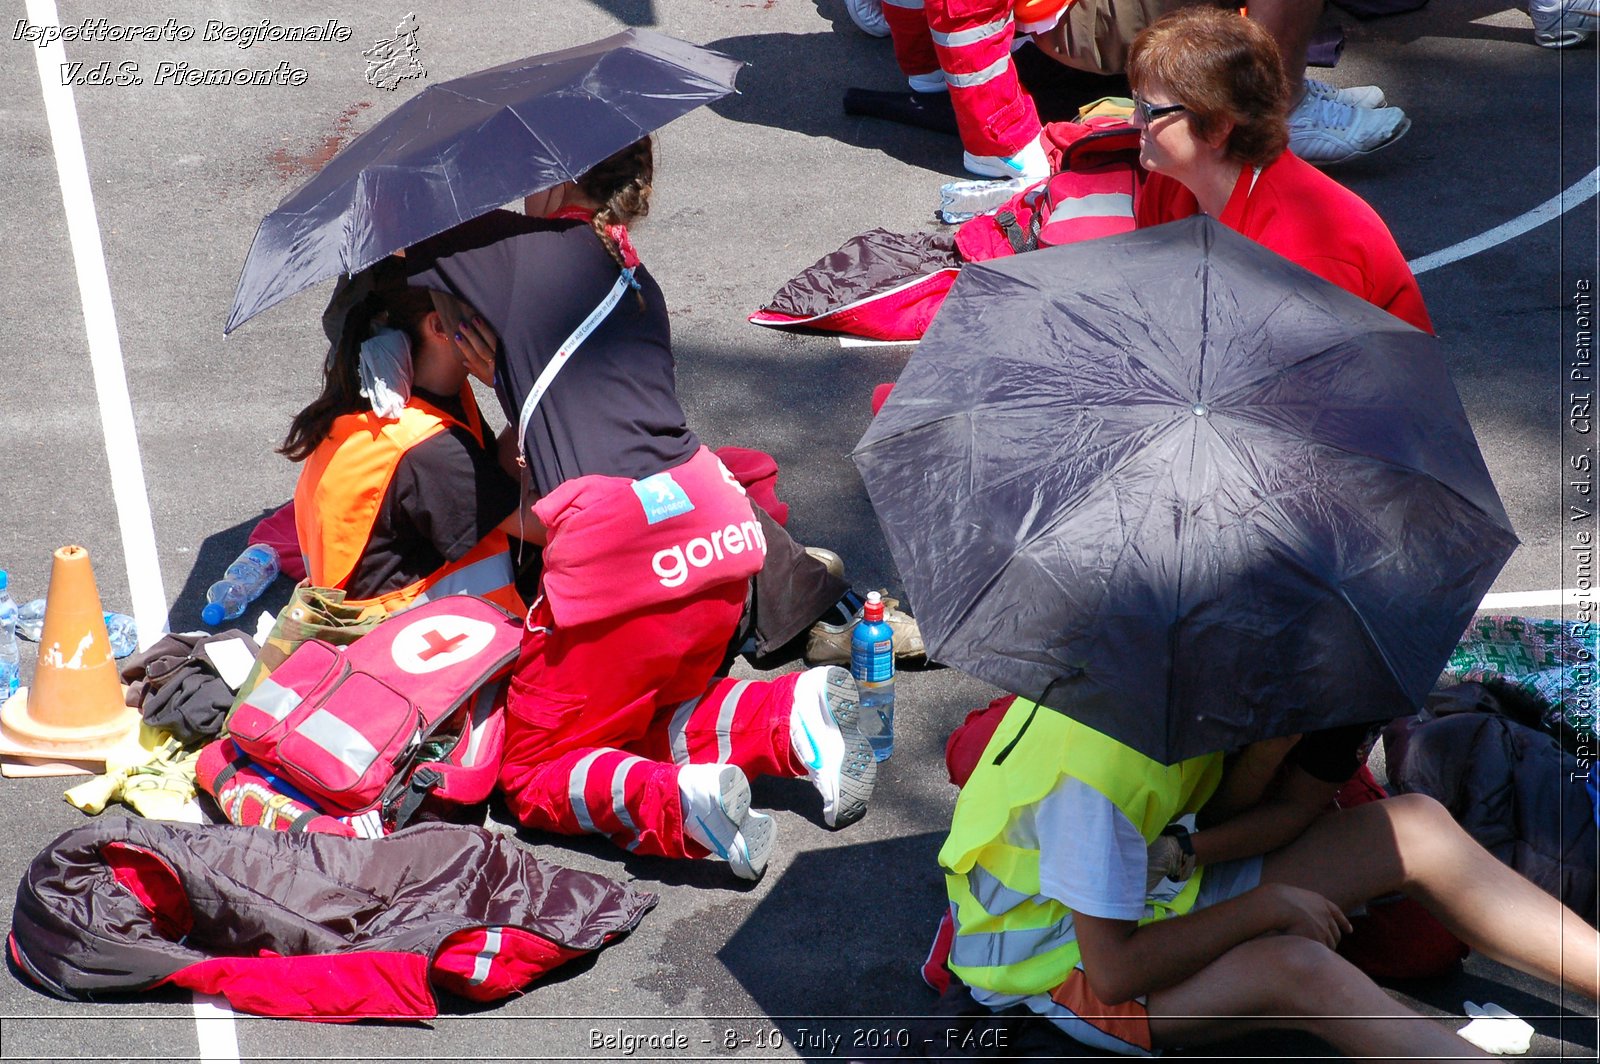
970	40
599	717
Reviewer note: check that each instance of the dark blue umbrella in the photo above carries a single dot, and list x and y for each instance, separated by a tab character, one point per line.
1184	491
461	148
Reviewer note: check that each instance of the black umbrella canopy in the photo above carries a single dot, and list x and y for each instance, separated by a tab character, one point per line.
1184	491
461	148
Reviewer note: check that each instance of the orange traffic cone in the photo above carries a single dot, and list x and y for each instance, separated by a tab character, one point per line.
74	713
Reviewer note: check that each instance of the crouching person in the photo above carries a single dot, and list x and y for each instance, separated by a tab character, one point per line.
1065	896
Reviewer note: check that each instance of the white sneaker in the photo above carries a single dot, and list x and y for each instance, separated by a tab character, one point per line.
824	728
1563	23
1323	130
930	82
1031	163
1368	96
716	813
868	17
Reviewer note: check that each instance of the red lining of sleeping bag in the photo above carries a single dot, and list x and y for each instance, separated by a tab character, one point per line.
148	877
487	963
326	987
902	313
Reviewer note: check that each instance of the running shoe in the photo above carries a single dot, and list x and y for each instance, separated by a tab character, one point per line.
1368	96
715	800
824	728
1563	23
1324	131
868	17
1031	163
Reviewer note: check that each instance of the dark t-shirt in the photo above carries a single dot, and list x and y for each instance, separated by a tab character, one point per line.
613	409
447	493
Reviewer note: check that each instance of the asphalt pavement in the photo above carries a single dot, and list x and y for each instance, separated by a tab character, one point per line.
818	960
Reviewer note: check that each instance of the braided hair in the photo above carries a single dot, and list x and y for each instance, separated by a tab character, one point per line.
621	185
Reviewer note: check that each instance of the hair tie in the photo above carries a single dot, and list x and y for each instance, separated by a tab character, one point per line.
619	237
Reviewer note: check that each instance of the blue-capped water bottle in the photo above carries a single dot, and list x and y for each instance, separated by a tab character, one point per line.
241	584
10	655
872	664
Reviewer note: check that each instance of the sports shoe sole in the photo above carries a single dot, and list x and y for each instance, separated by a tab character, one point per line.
744	839
858	771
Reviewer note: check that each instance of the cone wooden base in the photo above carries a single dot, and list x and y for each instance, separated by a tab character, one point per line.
56	750
75	710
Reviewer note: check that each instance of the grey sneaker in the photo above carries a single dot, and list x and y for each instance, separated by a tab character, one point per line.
1324	131
1563	23
1368	96
868	17
829	644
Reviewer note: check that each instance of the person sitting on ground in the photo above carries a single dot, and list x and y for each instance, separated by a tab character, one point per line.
1326	124
618	720
1211	98
401	497
1064	899
965	49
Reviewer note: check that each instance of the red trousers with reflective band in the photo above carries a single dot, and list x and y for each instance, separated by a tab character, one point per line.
600	717
970	40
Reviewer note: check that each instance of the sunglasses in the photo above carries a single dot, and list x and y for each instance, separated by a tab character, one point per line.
1146	112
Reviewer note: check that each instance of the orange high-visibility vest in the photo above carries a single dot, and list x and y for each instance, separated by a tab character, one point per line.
341	490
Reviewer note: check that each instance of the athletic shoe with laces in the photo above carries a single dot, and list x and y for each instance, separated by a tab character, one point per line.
868	17
1324	131
716	813
1031	163
1368	96
1563	23
824	729
828	642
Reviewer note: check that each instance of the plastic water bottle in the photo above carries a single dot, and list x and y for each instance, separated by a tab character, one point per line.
241	584
963	200
10	656
872	664
119	626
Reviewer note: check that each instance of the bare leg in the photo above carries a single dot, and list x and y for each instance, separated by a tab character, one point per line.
1289	982
1412	844
1291	23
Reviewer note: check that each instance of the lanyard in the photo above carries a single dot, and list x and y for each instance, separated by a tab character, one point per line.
624	281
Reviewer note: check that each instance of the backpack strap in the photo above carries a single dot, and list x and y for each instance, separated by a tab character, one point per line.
418	787
1020	240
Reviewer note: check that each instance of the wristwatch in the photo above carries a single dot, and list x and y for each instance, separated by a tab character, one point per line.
1181	833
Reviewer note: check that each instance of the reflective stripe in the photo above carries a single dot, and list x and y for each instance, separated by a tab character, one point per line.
909	5
274	699
678	731
368	825
619	806
1098	205
962	38
482	710
575	782
485	958
730	703
998	949
479	578
995	897
987	74
339	740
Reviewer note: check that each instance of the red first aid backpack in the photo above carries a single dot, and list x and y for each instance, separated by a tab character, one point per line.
353	740
1091	194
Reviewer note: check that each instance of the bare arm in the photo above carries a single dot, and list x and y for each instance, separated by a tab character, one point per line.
526	526
1124	959
1276	820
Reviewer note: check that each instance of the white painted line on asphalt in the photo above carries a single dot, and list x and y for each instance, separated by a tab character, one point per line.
1510	600
1582	191
105	347
213	1021
213	1025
